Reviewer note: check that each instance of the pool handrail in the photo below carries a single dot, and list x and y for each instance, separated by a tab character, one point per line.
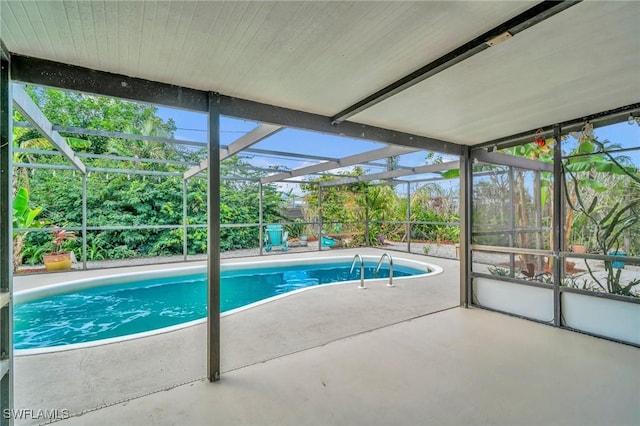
375	274
353	263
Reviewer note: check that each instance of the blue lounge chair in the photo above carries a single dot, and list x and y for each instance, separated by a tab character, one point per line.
328	241
275	236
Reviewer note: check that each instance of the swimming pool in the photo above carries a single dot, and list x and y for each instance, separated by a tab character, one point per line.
102	309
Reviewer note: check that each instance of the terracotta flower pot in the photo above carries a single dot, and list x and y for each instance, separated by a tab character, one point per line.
57	261
579	248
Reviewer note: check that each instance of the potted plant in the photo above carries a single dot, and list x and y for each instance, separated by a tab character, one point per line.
59	260
578	233
580	247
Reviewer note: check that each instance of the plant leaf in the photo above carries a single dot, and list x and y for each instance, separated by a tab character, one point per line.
21	201
585	147
450	174
595	185
593	205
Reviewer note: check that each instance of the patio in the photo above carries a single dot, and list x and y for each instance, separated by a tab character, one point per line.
510	101
459	366
337	355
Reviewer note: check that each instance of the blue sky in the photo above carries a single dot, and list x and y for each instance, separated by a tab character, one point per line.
193	126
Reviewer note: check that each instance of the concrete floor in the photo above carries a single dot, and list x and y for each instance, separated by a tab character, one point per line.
460	366
336	355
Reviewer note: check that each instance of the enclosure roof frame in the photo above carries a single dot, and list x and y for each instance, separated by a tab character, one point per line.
69	77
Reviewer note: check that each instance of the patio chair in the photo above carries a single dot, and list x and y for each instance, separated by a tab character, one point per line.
275	236
327	241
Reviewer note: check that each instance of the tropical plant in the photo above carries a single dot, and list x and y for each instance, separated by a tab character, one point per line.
96	248
91	112
381	203
60	236
115	199
499	271
144	149
295	229
588	167
341	205
23	217
609	222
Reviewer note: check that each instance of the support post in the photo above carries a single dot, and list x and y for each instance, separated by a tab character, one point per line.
409	217
260	217
84	222
213	244
6	240
512	220
366	218
558	220
537	185
466	198
185	229
320	217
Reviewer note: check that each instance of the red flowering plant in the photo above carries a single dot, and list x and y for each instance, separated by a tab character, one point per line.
60	260
59	238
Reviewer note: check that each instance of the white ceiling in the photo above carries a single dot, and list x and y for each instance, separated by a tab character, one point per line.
321	57
579	62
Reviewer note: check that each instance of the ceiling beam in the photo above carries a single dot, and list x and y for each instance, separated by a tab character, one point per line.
388	151
429	168
600	119
293	155
243	142
4	52
78	130
502	32
256	135
70	77
63	76
30	110
196	169
265	113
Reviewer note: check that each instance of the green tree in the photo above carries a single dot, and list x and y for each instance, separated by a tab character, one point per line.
341	204
152	126
92	112
121	199
23	217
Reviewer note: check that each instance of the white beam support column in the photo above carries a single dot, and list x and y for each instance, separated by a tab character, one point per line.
512	160
388	151
243	142
429	168
251	138
30	110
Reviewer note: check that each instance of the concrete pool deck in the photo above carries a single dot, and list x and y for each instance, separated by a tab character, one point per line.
338	355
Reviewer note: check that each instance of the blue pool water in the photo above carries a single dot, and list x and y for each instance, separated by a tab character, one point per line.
121	309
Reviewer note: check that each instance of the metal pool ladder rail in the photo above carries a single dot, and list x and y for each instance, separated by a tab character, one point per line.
388	256
356	257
